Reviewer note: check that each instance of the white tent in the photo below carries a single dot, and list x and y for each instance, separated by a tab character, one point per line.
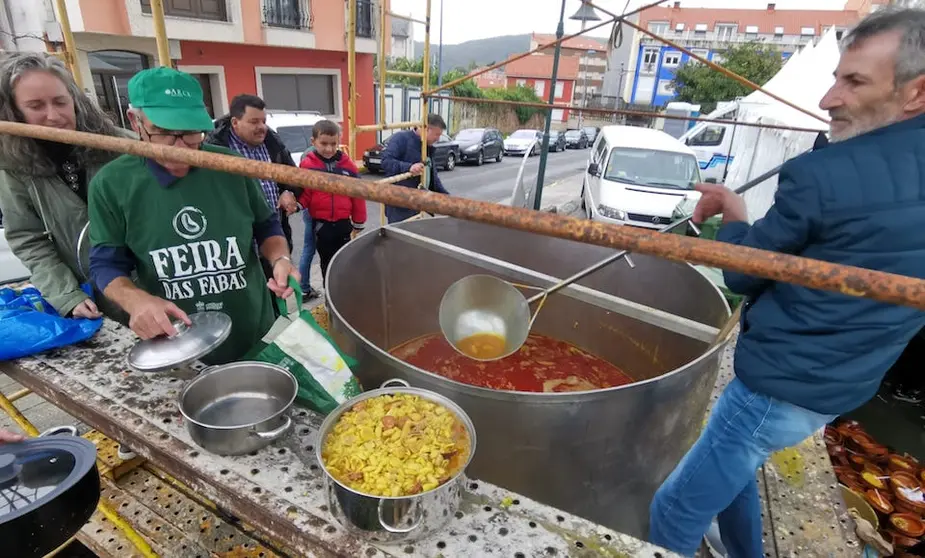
803	80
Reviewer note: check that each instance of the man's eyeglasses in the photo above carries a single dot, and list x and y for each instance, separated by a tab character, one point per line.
191	139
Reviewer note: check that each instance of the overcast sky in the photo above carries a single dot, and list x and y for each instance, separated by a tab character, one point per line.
465	20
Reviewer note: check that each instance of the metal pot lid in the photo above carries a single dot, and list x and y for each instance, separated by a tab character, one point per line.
207	331
36	471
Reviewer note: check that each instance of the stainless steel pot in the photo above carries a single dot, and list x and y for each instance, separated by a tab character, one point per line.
598	454
404	518
238	408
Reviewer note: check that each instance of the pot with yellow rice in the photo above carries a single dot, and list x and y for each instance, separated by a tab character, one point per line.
394	459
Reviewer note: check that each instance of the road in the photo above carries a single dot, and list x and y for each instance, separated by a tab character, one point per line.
493	182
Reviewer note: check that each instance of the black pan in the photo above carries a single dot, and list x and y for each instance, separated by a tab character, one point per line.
49	488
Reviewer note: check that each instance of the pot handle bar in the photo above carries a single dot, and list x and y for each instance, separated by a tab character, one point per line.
625	253
276	432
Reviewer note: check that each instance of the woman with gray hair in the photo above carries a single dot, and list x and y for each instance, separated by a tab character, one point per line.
43	184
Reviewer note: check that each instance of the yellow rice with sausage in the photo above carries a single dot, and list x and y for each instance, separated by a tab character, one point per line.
396	445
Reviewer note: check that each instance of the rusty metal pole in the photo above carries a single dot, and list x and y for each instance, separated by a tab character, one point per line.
160	33
853	281
70	49
544	153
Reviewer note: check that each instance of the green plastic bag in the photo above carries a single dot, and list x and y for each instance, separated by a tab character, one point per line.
297	343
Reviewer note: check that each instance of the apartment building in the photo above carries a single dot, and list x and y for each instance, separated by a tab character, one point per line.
709	31
402	45
535	71
590	53
293	53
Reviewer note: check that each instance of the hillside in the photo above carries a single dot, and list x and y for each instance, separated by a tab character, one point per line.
481	51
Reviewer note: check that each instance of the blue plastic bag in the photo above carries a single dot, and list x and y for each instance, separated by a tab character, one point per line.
29	325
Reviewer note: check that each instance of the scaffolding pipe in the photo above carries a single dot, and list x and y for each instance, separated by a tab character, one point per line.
392	126
70	48
351	76
632	113
814	274
160	33
405	74
383	61
476	73
732	75
425	101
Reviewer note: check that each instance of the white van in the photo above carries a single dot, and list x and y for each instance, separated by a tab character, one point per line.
295	129
639	176
711	143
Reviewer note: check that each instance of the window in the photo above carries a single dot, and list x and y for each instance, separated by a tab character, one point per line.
539	87
560	89
292	14
717	58
700	29
557	115
665	88
649	167
296	138
199	9
302	92
364	18
725	31
672	59
751	32
778	31
600	152
679	28
649	60
709	136
658	27
701	52
807	31
521	83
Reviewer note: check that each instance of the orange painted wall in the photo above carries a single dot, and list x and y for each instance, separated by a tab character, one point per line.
105	16
329	21
240	60
251	21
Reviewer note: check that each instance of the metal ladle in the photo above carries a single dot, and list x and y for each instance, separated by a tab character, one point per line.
484	304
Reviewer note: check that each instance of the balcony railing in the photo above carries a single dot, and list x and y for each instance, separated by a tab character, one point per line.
365	18
707	40
290	14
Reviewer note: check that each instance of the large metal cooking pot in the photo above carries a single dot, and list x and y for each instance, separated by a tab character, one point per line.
238	408
394	519
598	454
49	487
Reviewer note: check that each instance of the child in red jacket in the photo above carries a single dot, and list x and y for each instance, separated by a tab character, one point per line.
335	217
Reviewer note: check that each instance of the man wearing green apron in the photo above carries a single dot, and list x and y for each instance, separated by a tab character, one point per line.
189	232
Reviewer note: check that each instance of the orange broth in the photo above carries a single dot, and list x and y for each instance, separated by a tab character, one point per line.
543	364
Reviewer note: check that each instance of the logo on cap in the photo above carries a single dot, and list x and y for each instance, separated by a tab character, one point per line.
178	93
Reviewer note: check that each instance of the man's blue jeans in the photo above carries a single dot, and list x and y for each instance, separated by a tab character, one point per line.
308	252
717	476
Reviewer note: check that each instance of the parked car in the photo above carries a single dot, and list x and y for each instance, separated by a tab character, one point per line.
477	145
556	140
519	142
641	177
11	268
591	132
577	139
445	153
295	129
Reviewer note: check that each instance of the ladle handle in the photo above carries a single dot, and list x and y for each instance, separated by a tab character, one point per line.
622	253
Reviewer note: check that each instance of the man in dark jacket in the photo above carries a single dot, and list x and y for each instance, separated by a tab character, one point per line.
403	154
805	356
244	129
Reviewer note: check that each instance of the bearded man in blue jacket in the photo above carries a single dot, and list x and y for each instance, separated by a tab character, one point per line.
805	356
403	154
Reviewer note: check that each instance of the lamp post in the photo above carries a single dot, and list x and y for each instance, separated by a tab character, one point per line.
584	14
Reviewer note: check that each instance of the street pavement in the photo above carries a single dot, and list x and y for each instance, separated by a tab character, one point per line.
492	182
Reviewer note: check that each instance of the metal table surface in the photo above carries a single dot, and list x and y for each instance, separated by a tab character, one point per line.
278	490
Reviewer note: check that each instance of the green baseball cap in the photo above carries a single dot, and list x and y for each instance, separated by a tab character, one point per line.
171	99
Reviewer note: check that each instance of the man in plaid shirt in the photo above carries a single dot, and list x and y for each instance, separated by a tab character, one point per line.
245	131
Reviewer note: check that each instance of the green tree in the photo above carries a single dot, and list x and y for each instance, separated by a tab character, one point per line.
699	84
520	93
